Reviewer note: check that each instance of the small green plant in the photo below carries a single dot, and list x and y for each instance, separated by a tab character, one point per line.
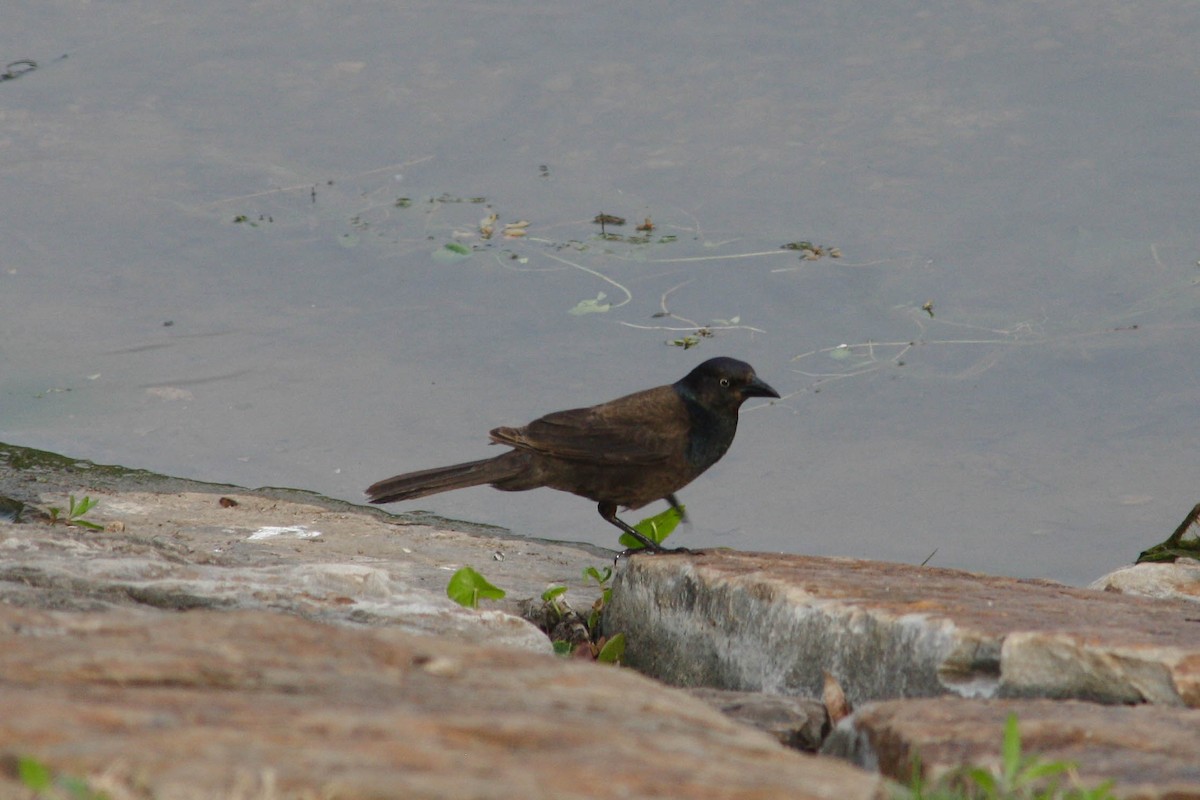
601	579
581	637
75	512
467	586
551	598
1020	777
34	774
656	528
1178	544
612	649
41	780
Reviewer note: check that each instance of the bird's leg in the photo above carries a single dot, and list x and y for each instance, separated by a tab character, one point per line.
675	504
609	512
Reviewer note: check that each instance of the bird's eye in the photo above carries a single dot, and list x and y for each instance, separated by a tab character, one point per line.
724	383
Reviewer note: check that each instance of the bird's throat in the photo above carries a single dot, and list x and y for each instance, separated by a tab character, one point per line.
710	435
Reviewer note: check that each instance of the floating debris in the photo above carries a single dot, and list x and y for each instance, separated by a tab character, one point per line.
487	225
595	306
451	253
15	69
515	230
811	252
607	219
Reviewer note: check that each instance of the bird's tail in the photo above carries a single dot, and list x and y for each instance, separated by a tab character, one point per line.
442	479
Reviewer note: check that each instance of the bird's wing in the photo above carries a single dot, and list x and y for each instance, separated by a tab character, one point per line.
644	428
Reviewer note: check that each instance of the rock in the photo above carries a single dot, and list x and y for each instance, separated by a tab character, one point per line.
219	704
188	550
188	683
1176	581
1149	751
776	623
794	721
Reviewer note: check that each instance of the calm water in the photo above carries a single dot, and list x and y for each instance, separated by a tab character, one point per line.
1031	170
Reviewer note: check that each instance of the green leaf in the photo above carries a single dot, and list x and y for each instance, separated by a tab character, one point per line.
467	586
82	507
34	774
656	529
553	592
982	778
1101	791
562	648
83	523
601	578
613	650
451	253
1010	752
1038	770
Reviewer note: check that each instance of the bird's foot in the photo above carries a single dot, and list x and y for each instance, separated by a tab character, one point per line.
656	551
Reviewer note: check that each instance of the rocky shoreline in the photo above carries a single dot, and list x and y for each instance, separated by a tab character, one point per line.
214	641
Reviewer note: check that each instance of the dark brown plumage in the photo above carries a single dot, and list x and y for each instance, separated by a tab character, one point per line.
624	453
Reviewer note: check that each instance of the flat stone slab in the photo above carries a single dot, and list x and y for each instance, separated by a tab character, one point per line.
220	704
178	521
184	550
1150	752
776	623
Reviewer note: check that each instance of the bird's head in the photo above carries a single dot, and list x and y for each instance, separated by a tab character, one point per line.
723	383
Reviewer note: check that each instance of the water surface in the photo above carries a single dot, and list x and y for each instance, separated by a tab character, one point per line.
998	368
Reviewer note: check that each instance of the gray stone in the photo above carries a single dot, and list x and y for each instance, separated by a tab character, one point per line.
1149	751
219	704
1179	580
776	623
794	721
185	550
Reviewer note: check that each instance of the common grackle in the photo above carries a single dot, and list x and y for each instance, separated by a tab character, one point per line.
627	452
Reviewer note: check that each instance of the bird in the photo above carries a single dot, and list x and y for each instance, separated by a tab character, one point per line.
625	453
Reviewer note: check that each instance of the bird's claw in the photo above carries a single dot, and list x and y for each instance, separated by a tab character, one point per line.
657	551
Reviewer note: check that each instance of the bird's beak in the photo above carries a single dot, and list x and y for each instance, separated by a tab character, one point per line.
758	388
